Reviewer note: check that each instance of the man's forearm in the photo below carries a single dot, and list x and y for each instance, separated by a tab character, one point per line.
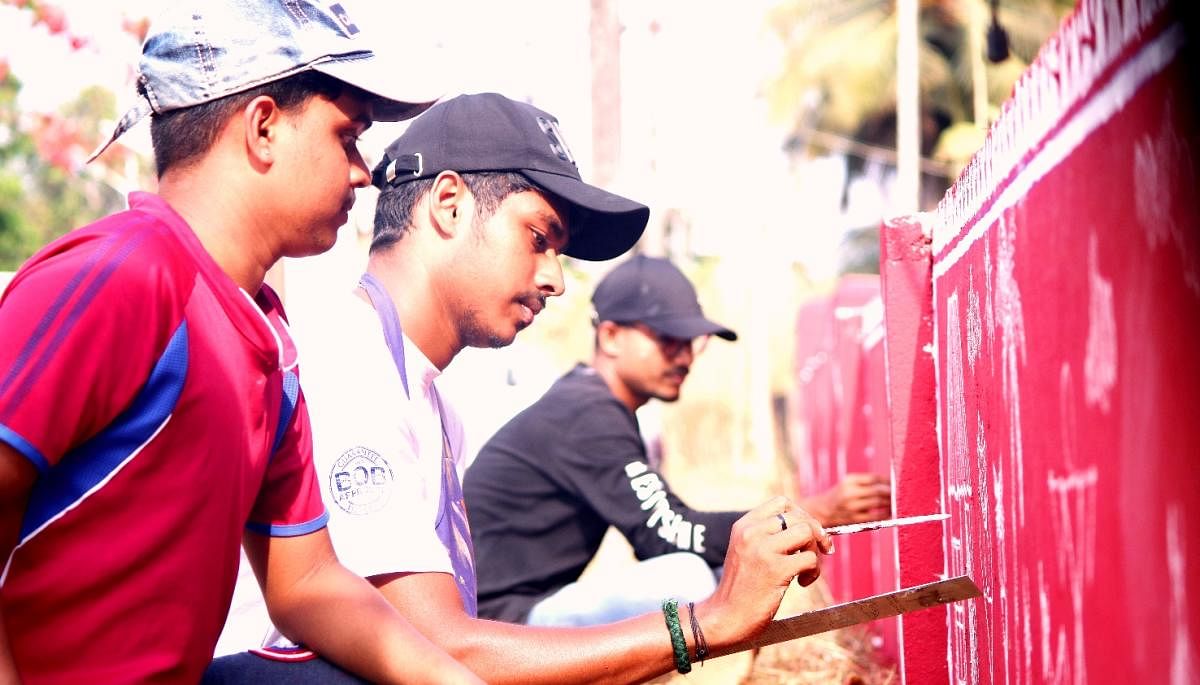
313	599
346	621
630	651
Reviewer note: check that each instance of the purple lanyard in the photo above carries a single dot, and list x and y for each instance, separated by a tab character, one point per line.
451	526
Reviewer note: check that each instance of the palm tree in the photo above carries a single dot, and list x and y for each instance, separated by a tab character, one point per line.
837	87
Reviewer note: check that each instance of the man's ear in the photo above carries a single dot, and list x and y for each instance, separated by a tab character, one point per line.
608	342
448	205
260	123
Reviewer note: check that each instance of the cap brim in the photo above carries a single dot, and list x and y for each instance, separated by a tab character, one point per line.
686	328
399	97
603	225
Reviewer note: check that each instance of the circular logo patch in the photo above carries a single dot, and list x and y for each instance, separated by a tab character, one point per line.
360	481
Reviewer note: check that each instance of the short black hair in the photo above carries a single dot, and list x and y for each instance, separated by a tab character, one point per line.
393	211
181	136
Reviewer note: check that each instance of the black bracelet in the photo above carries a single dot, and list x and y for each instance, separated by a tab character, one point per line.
697	635
670	609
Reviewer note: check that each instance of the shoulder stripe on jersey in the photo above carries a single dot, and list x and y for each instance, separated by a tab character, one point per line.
25	447
291	394
88	467
53	310
289	530
68	322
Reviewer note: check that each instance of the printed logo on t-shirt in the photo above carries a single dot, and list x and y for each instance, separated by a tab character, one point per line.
652	495
360	481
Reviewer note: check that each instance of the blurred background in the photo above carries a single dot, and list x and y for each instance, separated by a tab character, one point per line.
769	138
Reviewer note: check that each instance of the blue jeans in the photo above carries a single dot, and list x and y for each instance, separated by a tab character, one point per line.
627	591
245	668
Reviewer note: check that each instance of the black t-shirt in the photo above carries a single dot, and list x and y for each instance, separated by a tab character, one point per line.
545	488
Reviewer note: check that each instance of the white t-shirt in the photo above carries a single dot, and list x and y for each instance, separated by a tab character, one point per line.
377	453
378	456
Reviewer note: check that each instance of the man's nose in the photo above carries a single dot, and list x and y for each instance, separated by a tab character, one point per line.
550	276
360	175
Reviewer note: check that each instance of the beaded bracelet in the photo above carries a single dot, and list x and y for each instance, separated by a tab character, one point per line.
670	609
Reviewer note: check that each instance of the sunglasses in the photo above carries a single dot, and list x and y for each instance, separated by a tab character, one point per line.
670	347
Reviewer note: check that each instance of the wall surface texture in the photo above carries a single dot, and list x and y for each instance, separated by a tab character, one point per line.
1066	296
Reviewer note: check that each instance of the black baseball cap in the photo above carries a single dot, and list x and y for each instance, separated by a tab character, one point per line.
489	132
656	293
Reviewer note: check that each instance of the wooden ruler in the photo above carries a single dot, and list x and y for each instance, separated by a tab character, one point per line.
859	611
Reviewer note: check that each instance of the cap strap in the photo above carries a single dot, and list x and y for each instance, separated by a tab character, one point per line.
134	115
411	165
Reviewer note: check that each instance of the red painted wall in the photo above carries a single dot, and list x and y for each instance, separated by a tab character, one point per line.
905	268
841	426
1041	361
1066	294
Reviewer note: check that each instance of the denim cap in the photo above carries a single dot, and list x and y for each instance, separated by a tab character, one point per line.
201	50
488	132
653	291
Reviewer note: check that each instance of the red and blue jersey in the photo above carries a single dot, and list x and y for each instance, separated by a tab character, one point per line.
161	407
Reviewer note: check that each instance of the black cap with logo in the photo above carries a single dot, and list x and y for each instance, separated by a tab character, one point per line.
489	132
654	292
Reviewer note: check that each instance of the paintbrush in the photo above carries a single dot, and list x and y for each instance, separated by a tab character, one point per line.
886	523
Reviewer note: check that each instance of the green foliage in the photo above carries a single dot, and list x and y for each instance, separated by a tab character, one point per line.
839	74
39	200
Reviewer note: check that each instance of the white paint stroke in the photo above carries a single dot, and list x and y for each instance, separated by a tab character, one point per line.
1183	656
1075	528
1011	319
1165	174
1131	76
974	320
1100	364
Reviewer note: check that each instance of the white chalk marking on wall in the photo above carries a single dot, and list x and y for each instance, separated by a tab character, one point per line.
1044	616
958	488
1000	566
956	405
1100	365
974	321
1183	657
1026	626
1011	318
1154	157
1149	61
989	305
985	542
1164	169
1074	525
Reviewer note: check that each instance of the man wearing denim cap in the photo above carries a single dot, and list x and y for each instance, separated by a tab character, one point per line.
150	411
546	487
479	198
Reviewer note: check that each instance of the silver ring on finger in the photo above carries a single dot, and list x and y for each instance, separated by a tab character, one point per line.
782	522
